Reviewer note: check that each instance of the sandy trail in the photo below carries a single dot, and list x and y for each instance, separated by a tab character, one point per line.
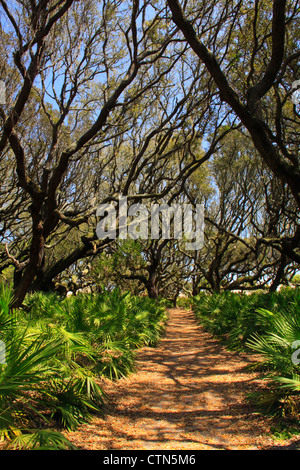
188	394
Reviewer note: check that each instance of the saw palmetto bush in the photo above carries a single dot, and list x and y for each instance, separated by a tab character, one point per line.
268	324
233	317
57	351
116	325
279	351
41	385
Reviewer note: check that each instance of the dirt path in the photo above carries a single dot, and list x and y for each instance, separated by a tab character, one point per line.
187	394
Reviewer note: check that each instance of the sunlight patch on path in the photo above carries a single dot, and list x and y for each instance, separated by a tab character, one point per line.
188	393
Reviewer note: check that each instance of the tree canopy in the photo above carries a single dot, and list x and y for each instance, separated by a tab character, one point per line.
178	102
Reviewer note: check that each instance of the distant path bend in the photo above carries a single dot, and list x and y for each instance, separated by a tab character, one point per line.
188	394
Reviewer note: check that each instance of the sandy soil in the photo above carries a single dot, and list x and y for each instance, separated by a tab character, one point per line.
189	393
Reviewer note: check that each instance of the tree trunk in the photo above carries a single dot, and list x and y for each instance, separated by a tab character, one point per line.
279	275
152	286
36	257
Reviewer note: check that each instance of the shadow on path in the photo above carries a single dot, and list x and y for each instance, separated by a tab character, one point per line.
188	393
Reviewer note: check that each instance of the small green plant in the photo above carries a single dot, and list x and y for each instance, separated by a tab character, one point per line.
276	351
282	432
268	324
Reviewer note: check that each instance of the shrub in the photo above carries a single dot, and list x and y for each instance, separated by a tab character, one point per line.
267	324
234	317
279	361
57	349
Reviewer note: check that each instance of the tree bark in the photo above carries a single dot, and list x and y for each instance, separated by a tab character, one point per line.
36	256
279	275
152	286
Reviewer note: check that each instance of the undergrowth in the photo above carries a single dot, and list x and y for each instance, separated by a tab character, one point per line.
56	351
268	325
